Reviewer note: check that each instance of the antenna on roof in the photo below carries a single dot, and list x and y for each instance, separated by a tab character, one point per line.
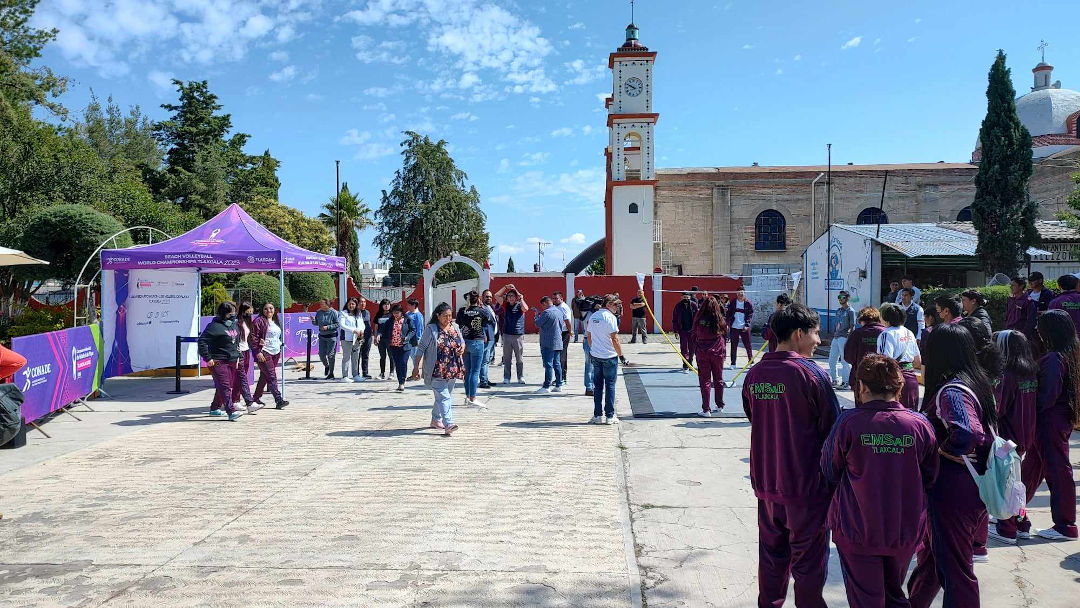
1042	48
632	11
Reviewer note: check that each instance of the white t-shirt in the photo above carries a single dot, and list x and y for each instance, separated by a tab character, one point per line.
898	343
350	324
567	311
273	339
600	327
242	344
739	322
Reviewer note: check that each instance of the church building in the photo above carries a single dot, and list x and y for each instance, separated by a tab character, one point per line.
758	220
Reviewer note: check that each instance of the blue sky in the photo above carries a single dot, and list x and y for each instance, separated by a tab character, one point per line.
515	87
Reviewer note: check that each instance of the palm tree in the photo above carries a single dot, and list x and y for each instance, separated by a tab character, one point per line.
344	216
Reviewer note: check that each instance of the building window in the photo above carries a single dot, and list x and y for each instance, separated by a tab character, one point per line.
769	231
964	215
872	215
633	208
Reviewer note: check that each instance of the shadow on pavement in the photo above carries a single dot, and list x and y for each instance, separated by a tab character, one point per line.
188	414
384	433
532	424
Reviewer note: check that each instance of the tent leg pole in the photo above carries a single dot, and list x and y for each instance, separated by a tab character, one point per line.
281	380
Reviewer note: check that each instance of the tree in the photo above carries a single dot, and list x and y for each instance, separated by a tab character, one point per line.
290	224
598	267
309	287
429	212
126	141
1002	212
510	265
263	288
65	236
22	86
344	215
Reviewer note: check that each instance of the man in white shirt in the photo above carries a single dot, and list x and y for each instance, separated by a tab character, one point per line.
568	331
907	283
914	319
602	335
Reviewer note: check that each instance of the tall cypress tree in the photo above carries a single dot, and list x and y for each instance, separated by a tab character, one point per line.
510	265
1003	214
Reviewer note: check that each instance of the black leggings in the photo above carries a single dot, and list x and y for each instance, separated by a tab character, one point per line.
384	356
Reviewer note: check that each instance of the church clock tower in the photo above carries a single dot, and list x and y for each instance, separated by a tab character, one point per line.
631	168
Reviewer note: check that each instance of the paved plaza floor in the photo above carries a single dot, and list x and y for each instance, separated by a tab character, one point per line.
345	498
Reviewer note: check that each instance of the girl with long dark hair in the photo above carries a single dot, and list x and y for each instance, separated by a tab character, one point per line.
266	342
898	342
242	387
862	341
441	361
217	346
396	335
381	317
1015	394
351	323
1056	416
959	401
710	344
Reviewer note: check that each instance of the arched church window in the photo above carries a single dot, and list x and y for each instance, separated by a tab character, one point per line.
964	215
633	208
769	229
632	140
872	215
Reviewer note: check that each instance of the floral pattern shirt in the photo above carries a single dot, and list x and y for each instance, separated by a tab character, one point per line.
395	334
449	365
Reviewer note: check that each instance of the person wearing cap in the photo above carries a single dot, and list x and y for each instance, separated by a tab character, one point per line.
682	321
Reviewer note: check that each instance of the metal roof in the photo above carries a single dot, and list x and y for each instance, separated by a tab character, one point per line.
917	240
1049	230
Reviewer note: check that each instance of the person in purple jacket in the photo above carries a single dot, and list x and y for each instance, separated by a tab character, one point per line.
959	402
1015	396
1069	300
883	458
791	406
862	341
740	313
782	301
709	336
1020	310
1041	295
1056	416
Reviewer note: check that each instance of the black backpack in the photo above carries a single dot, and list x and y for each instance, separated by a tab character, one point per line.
11	400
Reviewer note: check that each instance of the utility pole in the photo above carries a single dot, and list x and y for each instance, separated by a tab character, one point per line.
337	208
828	239
540	255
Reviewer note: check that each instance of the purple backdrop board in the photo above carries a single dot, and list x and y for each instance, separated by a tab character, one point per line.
60	367
230	241
295	335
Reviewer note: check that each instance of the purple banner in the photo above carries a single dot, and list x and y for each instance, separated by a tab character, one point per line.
61	366
295	332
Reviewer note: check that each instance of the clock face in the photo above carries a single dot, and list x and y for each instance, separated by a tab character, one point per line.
634	87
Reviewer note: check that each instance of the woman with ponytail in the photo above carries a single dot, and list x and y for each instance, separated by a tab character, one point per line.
1055	418
959	402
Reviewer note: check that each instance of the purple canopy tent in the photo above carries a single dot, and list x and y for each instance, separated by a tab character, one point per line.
231	241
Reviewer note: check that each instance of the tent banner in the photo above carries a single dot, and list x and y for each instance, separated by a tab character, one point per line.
61	366
150	309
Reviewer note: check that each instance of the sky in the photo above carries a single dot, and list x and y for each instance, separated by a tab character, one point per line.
516	87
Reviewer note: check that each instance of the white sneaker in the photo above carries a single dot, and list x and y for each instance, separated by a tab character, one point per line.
556	389
254	407
705	414
685	371
358	378
993	533
611	420
521	381
981	559
732	366
596	420
350	380
1052	534
543	390
479	404
240	411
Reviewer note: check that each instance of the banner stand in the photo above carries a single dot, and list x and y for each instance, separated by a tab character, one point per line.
34	424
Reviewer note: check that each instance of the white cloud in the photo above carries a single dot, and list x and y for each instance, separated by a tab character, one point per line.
912	39
385	118
535	158
602	97
584	187
367	149
379	92
747	46
850	44
355	136
314	97
797	58
577	26
279	56
373	107
504	165
468	80
469	116
162	81
918	20
779	71
386	51
574	239
510	249
535	239
285	74
877	41
562	132
256	26
586	129
580	73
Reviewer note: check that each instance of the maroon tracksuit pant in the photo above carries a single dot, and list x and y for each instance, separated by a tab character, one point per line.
268	376
1049	460
710	367
242	386
686	346
792	541
954	511
224	373
875	581
909	397
744	335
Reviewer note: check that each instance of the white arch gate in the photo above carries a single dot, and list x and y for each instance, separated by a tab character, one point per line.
429	276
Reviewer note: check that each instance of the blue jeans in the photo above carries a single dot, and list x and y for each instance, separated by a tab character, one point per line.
588	366
836	352
550	357
489	351
474	360
443	410
605	372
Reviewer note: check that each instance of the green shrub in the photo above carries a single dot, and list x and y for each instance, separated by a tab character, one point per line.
212	296
264	288
36	322
309	287
996	298
65	236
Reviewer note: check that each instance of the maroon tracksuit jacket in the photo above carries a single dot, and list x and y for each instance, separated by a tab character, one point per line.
861	342
769	334
1045	297
1049	458
1020	313
1016	409
1070	303
791	406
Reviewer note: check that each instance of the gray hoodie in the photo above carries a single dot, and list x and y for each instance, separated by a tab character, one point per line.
845	322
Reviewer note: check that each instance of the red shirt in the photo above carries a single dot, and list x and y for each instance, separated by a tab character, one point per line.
10	362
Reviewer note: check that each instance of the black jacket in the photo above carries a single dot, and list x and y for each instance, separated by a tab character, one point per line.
981	314
218	341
